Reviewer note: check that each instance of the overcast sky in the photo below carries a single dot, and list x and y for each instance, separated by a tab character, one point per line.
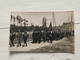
36	17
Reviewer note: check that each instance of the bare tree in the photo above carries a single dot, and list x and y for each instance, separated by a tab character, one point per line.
19	19
25	22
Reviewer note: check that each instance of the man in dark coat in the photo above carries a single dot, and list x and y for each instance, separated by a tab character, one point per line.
34	37
25	38
12	37
53	35
39	37
50	37
44	36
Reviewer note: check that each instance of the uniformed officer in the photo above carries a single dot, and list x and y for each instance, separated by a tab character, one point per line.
25	38
19	38
12	37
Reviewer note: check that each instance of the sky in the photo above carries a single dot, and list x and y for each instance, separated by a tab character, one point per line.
36	17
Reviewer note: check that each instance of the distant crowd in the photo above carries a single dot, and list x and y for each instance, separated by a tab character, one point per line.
38	36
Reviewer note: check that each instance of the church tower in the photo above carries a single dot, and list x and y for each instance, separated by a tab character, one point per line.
54	22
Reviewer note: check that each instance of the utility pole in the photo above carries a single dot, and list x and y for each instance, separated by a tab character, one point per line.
68	18
71	18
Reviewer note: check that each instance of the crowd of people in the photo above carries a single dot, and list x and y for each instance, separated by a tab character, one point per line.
49	36
38	36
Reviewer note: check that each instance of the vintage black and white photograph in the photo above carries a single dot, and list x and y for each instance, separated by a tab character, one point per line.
42	32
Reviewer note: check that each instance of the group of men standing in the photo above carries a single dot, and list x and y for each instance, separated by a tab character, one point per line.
44	36
19	37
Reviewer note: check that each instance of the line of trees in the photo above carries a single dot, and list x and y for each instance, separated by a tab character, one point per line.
19	19
24	22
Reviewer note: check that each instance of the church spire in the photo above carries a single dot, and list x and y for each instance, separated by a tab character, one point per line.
54	21
50	26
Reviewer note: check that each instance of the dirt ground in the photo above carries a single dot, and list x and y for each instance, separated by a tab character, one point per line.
65	45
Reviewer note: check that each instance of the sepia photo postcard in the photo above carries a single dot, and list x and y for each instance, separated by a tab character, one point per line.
42	32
